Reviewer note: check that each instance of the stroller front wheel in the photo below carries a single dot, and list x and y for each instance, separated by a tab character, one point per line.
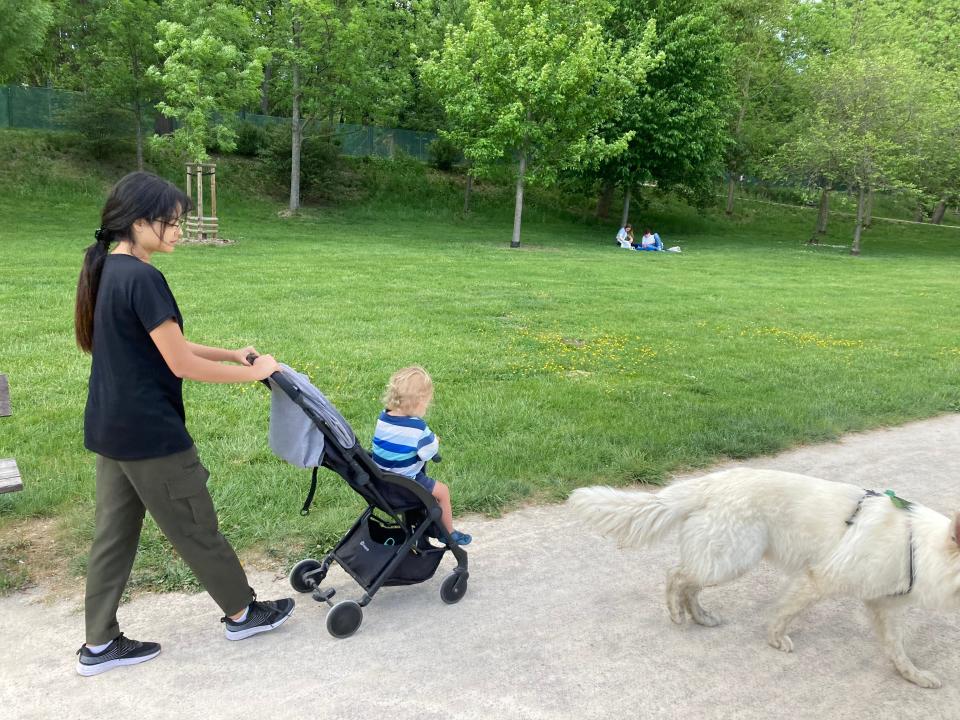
453	588
344	618
298	579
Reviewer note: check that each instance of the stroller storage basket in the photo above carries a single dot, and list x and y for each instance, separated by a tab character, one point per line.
374	543
419	566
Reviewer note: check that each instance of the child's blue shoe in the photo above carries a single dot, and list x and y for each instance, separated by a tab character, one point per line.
461	538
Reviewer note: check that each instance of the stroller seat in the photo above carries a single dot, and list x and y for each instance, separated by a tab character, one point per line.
389	544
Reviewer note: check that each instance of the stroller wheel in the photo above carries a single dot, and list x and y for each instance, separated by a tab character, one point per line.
344	618
453	588
299	582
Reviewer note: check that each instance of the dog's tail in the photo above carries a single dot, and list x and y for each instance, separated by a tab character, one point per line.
633	517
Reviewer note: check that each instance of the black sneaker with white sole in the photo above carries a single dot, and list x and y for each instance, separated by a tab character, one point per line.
122	651
261	617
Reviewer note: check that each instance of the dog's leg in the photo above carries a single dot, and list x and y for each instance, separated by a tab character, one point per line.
676	581
887	626
799	594
682	598
691	600
714	550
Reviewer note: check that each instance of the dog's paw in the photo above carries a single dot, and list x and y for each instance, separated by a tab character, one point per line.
923	678
781	642
705	618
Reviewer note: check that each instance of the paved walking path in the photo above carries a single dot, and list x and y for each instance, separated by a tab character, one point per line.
557	623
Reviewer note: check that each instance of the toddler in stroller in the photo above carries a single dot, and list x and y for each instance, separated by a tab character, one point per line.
389	544
403	443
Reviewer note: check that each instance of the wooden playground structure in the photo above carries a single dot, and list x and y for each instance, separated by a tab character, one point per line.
200	226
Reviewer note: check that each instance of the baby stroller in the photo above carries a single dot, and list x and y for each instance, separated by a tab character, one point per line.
389	544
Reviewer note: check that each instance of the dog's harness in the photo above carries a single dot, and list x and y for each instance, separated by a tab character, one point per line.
903	505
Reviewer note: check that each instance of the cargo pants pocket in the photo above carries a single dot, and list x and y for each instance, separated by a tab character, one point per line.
189	495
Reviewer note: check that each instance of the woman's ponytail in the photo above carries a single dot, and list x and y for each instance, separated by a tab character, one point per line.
87	288
139	195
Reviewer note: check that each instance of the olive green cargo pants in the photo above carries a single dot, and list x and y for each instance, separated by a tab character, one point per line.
173	489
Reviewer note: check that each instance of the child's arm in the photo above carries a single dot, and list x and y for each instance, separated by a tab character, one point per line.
429	444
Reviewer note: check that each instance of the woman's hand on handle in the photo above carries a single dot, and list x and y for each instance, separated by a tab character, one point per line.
264	366
186	362
240	355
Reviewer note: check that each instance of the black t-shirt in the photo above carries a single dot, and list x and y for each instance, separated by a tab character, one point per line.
135	403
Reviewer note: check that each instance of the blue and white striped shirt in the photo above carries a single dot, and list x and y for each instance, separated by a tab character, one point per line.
402	444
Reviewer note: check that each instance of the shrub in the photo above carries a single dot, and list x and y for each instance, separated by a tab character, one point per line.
443	154
251	139
319	161
106	131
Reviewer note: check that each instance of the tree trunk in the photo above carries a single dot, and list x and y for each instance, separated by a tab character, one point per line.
138	110
605	200
823	215
626	207
296	139
921	213
265	90
861	201
466	193
868	211
744	99
518	208
731	192
939	211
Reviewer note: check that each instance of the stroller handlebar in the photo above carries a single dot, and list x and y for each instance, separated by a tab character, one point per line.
251	357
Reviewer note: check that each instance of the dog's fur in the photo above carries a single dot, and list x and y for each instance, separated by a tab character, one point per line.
729	520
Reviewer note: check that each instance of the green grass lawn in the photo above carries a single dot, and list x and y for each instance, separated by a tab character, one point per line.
563	363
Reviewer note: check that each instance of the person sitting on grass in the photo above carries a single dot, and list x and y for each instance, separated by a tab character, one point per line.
650	241
625	237
403	443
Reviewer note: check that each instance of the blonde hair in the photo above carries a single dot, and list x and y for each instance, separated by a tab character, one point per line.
408	387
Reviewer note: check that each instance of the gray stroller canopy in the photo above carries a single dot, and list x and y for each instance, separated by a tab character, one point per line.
295	408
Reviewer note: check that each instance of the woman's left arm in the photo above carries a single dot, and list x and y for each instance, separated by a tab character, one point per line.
217	354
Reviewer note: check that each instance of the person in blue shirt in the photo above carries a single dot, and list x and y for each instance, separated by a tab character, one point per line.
651	241
403	442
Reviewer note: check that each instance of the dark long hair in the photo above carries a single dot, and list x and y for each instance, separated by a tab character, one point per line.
137	195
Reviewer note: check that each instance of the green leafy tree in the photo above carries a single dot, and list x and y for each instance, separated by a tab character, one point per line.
864	122
679	118
208	72
930	30
118	50
339	59
767	50
22	31
534	81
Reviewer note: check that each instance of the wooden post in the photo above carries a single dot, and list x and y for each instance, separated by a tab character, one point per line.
4	397
9	473
201	226
213	191
200	232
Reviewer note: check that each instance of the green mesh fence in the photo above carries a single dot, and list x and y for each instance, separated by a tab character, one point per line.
367	140
35	108
48	109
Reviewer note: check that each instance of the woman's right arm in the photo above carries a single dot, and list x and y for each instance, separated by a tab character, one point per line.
185	364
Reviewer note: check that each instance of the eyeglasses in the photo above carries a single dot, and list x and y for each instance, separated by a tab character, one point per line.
179	222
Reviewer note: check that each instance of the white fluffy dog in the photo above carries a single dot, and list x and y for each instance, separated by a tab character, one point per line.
830	537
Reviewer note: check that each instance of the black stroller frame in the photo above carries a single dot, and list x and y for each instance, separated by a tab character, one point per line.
376	551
